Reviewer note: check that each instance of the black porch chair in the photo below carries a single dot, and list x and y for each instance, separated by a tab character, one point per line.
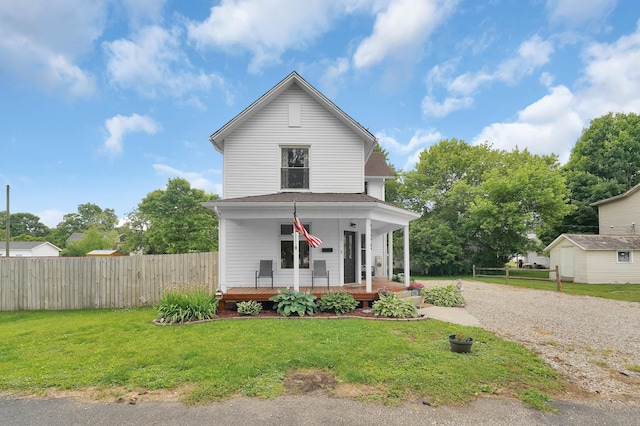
266	271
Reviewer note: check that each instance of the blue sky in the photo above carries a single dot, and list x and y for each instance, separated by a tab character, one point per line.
103	101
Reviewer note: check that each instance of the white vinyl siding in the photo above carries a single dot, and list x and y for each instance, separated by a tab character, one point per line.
375	188
252	152
618	217
249	241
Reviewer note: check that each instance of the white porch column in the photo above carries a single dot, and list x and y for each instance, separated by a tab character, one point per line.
407	266
368	263
296	260
390	256
222	250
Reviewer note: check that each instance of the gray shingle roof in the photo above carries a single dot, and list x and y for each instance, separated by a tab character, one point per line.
603	242
377	166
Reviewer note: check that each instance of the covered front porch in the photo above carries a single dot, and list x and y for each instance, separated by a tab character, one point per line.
357	290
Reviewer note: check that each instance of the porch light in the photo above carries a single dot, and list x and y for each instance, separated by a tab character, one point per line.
352	224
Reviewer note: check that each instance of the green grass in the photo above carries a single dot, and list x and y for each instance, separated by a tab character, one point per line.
626	292
389	361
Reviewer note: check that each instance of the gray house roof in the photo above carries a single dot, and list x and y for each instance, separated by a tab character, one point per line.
75	236
600	242
617	197
377	166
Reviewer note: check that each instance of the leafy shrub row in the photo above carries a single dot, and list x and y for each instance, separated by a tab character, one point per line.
393	307
250	307
443	296
184	305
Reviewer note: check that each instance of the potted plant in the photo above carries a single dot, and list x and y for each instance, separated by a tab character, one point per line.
460	342
415	288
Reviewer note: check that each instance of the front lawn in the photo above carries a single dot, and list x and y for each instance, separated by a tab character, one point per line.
385	361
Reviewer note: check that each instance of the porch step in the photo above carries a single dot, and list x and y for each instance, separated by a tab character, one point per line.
417	301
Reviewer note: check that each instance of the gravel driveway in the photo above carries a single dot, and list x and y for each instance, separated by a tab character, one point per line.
593	342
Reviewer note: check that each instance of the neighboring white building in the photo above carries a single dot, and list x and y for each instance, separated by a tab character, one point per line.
613	256
293	145
30	249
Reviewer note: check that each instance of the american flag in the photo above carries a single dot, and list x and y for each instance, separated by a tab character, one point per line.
313	241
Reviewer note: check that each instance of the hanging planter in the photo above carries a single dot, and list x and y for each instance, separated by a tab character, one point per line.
460	343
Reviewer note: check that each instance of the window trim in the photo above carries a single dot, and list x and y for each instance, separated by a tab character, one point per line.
308	168
289	237
629	255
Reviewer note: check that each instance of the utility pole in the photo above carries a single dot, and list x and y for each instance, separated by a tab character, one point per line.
8	229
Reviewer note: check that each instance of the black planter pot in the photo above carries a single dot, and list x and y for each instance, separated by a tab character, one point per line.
460	347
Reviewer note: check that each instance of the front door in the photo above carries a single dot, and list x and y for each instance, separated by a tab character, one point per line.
349	257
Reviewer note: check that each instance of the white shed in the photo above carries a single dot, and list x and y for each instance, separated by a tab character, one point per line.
596	259
30	249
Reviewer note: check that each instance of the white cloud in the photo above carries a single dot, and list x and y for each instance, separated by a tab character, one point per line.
401	29
575	12
264	28
432	108
549	125
530	56
197	180
153	64
552	124
40	42
120	125
420	139
612	77
144	11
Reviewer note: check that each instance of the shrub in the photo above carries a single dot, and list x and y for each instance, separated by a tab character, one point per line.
339	302
443	296
393	307
184	305
250	307
288	302
400	278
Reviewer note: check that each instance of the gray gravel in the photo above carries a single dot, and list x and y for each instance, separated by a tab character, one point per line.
593	342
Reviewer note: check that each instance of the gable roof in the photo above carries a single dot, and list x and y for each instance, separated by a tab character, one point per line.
377	166
29	245
217	138
617	197
75	237
599	241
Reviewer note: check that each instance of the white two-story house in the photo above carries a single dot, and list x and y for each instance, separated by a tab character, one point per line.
293	145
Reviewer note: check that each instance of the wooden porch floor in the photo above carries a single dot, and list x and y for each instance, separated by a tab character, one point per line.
357	290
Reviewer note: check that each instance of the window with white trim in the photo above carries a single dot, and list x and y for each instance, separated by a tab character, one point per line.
294	167
286	248
624	256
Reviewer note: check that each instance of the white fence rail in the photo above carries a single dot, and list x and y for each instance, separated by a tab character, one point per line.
57	283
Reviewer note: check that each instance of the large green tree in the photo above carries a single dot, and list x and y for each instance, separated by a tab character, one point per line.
24	226
479	205
172	221
604	162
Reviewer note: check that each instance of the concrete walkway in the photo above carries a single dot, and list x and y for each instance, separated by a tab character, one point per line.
452	315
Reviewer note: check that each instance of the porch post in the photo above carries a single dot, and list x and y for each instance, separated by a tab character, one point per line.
368	263
222	250
296	260
390	256
407	266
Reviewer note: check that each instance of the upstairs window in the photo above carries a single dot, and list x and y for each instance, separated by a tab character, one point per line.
294	168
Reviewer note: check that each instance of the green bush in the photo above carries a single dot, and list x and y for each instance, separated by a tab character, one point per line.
443	296
288	302
250	307
393	307
184	305
339	302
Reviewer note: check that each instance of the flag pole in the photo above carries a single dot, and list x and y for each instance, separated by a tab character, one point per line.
296	254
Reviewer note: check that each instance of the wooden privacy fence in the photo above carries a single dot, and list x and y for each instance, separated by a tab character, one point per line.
520	274
56	283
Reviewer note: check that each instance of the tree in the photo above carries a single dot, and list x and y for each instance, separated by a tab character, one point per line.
172	221
25	225
89	215
479	205
604	162
94	238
